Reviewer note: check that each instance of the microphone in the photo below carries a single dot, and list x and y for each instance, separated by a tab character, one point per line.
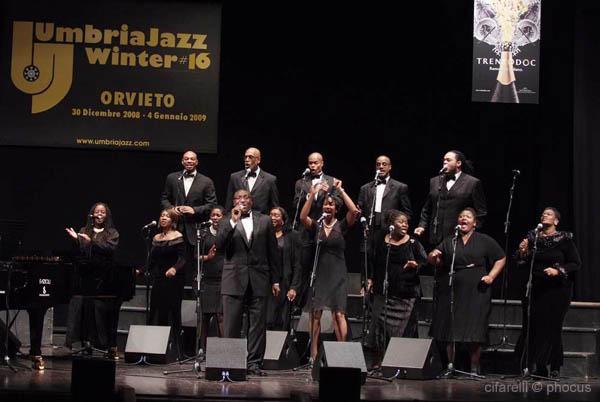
205	224
91	216
376	175
363	222
306	172
150	225
443	170
325	215
247	173
539	227
457	228
516	172
391	229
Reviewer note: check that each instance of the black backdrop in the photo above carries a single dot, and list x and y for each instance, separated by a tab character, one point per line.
352	83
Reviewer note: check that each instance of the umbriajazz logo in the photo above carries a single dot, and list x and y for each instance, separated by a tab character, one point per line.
44	70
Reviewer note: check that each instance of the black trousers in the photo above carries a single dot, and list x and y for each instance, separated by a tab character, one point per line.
36	328
233	308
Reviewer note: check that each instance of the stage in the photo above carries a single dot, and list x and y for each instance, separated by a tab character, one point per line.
150	384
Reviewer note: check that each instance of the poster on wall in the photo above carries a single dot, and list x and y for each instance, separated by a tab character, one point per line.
110	75
506	51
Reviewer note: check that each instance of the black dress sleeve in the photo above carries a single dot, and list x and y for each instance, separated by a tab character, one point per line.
180	247
572	259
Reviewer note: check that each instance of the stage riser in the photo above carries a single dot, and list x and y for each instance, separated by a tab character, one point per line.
574	340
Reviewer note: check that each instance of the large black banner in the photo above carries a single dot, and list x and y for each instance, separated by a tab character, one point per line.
118	75
506	51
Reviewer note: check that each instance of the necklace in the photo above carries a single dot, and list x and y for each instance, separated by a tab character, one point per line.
331	225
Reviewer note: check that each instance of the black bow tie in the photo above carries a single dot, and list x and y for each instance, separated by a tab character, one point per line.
245	215
316	177
251	174
381	181
450	177
188	174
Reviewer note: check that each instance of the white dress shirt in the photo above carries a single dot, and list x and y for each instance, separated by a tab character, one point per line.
252	180
379	194
248	225
187	182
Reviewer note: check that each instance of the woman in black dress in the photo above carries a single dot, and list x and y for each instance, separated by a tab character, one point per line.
91	318
478	261
554	266
288	246
167	259
210	287
330	289
406	256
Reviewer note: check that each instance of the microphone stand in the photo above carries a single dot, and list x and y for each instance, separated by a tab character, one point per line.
295	221
451	371
6	358
437	206
199	357
365	318
385	291
504	288
529	289
146	233
313	274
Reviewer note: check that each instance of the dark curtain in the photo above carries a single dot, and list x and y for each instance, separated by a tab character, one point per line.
586	148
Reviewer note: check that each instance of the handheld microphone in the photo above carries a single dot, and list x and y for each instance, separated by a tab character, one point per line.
205	224
539	227
443	170
516	172
150	225
325	215
306	172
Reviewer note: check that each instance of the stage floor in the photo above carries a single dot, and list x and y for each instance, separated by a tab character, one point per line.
150	383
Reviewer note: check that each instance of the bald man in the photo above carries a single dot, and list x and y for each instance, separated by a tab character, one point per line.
262	185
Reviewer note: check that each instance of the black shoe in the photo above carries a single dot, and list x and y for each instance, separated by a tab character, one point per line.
555	374
257	372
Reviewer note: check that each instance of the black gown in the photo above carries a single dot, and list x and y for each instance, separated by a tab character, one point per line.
550	298
210	287
472	297
400	317
330	287
93	309
167	293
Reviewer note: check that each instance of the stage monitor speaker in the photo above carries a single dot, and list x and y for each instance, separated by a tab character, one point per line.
411	358
93	379
340	384
280	353
226	359
151	341
340	354
14	344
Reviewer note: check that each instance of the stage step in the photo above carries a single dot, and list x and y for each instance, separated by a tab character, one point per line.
575	339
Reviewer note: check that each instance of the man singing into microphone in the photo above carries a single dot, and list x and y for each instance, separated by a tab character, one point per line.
262	185
192	195
449	193
251	272
381	195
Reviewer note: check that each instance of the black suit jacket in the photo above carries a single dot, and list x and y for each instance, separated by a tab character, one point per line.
292	268
395	196
302	188
255	263
201	197
467	191
264	192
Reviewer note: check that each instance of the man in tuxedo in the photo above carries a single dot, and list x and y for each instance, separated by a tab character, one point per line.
449	193
302	189
377	197
251	272
262	185
192	195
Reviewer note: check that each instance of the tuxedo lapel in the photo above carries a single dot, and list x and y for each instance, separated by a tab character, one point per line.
240	228
259	179
458	184
388	187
